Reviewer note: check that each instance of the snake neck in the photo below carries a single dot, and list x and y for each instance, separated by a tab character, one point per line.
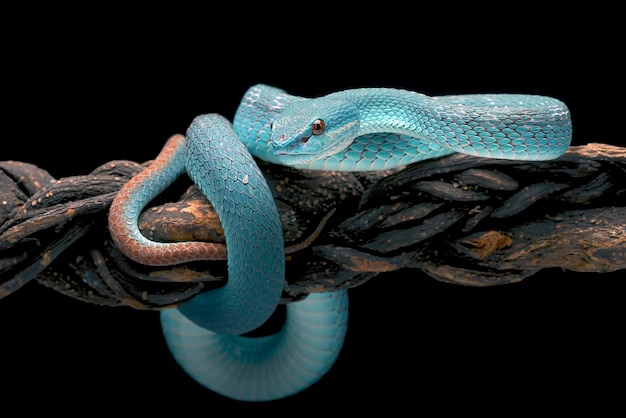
512	126
384	110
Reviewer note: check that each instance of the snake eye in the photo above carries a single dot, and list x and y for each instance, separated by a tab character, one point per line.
318	127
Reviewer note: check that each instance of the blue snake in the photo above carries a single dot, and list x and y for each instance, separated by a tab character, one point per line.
350	130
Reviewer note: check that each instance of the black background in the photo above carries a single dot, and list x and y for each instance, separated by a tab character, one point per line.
81	93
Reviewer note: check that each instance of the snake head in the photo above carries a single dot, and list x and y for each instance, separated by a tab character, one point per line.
310	130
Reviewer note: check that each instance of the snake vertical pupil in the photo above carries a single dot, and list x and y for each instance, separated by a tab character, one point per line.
318	127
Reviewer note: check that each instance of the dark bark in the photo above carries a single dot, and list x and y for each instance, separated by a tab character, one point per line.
460	219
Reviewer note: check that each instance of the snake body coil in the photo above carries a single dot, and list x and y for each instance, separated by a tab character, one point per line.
360	129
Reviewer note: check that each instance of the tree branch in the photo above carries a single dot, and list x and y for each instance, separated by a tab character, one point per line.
460	219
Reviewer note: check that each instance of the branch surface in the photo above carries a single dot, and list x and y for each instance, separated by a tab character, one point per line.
460	219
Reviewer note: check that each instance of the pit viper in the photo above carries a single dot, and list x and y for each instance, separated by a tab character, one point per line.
351	130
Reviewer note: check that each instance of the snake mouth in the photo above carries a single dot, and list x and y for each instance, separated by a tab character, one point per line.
295	147
291	155
294	143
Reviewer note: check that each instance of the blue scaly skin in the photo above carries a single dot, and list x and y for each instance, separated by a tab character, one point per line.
380	128
351	130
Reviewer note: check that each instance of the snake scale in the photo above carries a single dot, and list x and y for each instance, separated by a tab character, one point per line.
350	130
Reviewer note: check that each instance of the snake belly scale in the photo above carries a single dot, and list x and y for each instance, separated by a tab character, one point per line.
352	130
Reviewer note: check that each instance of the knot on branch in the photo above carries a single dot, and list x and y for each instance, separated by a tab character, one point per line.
460	219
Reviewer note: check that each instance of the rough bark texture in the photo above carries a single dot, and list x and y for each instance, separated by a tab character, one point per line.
460	219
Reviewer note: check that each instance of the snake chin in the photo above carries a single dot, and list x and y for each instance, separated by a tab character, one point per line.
291	158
